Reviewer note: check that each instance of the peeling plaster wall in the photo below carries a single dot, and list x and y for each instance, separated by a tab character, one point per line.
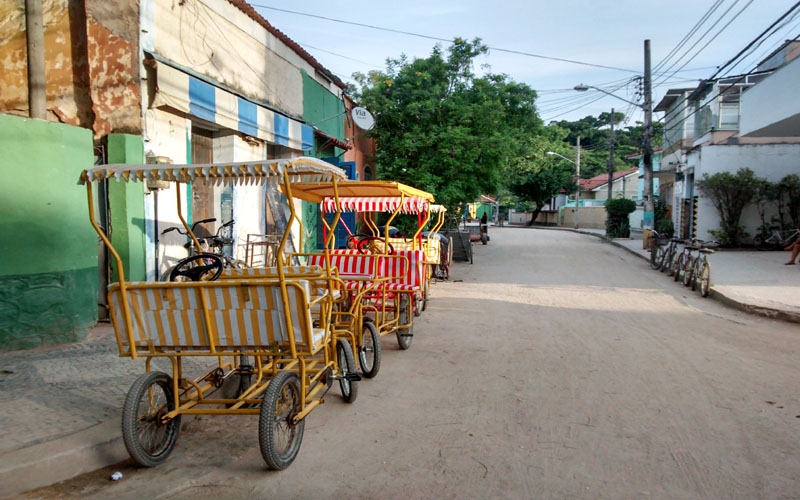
215	39
90	70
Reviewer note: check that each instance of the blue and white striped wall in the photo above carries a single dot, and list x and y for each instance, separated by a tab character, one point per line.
187	93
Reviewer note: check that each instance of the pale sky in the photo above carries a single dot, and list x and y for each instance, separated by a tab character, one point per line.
600	34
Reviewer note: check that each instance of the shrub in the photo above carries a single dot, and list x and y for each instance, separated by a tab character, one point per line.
617	224
730	194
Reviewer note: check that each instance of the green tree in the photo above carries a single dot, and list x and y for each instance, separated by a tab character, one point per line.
730	194
441	128
533	176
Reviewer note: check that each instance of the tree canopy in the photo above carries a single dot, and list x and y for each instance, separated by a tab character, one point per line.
441	128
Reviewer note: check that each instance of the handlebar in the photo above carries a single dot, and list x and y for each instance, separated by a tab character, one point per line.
204	221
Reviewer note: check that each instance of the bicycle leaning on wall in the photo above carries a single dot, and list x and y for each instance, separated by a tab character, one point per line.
208	263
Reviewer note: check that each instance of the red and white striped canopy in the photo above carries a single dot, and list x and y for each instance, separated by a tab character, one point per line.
410	205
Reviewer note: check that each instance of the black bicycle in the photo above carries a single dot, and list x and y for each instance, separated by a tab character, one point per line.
209	263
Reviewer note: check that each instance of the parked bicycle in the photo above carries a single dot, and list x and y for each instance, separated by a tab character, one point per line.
209	263
701	269
669	256
683	263
777	240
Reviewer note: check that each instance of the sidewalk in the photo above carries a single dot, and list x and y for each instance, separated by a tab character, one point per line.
61	406
752	281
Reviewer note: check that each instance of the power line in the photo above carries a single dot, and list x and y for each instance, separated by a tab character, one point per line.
439	39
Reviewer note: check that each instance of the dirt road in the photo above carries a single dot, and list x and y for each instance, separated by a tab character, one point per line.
557	366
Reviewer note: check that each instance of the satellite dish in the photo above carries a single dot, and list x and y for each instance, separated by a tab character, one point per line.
362	118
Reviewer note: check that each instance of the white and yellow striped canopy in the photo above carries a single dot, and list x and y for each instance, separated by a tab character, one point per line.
302	169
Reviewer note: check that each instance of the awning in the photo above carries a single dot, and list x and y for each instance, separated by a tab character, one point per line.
180	90
316	193
411	205
303	169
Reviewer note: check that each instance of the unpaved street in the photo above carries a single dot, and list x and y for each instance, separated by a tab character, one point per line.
557	366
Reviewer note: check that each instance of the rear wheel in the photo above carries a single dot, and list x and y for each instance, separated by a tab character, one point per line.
405	335
656	256
347	365
148	438
369	354
705	279
426	289
279	436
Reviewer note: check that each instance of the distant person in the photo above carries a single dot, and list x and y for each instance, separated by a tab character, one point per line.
795	248
484	219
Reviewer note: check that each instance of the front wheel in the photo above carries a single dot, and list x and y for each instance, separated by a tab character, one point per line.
404	335
688	272
279	435
705	279
761	243
347	365
147	436
678	266
369	353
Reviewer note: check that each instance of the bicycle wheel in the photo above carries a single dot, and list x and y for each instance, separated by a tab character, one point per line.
678	266
369	353
279	436
669	261
705	279
655	256
762	243
405	335
347	365
148	438
688	272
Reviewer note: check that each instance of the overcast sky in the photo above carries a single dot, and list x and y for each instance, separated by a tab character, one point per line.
604	40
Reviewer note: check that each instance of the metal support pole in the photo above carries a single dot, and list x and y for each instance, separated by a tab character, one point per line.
37	96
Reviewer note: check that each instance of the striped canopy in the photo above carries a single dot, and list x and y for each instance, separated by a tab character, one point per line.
302	169
317	192
410	205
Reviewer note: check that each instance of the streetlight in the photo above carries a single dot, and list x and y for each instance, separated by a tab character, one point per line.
647	140
578	176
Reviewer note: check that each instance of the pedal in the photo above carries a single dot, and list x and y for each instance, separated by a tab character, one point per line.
352	377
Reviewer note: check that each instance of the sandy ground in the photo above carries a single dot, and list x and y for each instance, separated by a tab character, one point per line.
556	366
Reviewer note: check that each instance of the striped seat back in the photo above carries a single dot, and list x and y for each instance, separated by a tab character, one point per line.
249	316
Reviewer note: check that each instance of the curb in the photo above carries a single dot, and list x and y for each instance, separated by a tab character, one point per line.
53	461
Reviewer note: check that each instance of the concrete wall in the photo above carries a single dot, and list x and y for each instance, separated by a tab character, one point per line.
48	273
770	161
588	217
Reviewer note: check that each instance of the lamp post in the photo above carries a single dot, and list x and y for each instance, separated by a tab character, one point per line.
577	164
647	140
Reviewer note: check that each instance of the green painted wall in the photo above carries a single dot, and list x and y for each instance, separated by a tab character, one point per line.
324	110
126	203
48	273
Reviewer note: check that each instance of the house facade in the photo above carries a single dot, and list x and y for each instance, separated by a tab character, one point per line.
747	121
197	81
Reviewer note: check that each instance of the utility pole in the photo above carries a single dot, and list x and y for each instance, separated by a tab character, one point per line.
647	191
610	166
577	179
37	97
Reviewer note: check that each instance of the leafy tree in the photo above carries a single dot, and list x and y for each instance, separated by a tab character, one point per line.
535	177
730	194
441	128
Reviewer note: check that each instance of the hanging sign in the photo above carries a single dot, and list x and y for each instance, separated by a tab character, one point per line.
362	118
